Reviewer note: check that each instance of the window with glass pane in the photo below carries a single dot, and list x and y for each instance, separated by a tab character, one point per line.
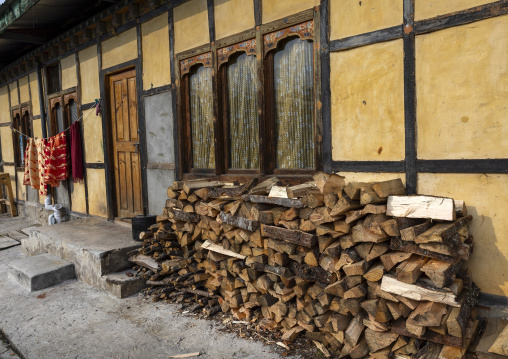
243	124
294	105
201	118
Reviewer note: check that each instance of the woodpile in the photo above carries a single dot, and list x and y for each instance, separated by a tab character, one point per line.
360	269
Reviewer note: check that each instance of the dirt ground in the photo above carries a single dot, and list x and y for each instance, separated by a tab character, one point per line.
74	320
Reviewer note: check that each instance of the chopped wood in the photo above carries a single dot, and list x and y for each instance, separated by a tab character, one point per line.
442	232
218	249
410	270
231	191
449	352
292	236
379	340
430	207
145	261
409	234
264	187
278	192
428	314
239	222
415	292
301	189
284	202
388	188
441	273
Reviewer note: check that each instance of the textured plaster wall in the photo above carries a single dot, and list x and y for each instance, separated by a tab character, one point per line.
349	18
426	9
89	72
156	61
233	17
462	87
367	86
275	10
119	49
191	25
69	73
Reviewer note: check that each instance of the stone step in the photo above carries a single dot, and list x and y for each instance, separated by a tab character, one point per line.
97	248
121	285
40	271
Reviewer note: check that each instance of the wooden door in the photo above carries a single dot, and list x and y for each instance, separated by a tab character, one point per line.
125	143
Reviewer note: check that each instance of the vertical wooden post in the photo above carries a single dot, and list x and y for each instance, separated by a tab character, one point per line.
410	96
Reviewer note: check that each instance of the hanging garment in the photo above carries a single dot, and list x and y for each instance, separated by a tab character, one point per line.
56	168
42	157
76	152
31	177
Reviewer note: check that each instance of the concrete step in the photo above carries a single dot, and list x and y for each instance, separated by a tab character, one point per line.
95	247
121	285
40	271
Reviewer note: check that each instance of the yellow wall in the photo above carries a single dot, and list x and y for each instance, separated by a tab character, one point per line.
7	146
233	17
24	91
274	10
367	86
92	135
69	75
78	197
349	18
155	40
462	87
371	177
426	9
191	25
37	127
89	72
97	203
119	49
13	88
482	194
34	90
4	105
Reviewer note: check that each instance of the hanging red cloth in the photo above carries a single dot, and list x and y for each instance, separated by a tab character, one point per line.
57	169
76	152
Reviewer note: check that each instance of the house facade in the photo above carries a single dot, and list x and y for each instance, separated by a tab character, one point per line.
235	89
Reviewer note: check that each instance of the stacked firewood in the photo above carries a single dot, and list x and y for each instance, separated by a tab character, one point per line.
358	268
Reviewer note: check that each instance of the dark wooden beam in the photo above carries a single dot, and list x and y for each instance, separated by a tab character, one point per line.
409	95
258	12
463	17
326	111
463	166
368	166
368	38
211	20
21	37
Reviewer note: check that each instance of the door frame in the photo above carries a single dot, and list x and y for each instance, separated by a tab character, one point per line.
107	131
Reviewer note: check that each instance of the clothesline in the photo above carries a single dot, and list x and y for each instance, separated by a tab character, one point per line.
97	103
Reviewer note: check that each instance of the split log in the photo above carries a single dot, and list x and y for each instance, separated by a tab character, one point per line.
284	202
415	292
292	236
439	208
239	222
